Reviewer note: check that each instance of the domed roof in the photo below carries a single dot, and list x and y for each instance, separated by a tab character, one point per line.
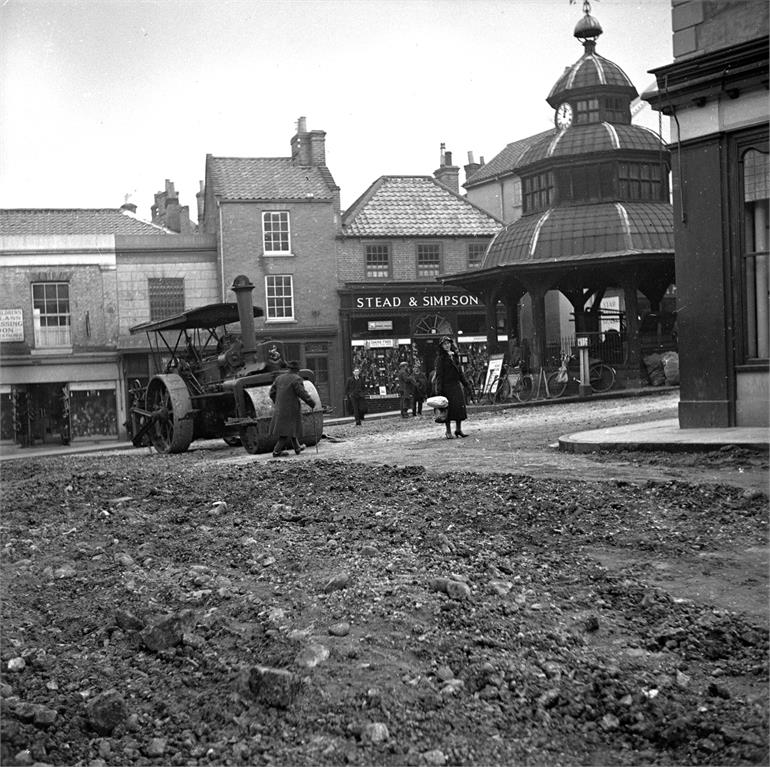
591	72
594	137
584	232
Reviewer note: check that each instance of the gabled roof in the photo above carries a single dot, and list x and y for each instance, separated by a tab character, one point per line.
503	163
79	221
415	206
268	178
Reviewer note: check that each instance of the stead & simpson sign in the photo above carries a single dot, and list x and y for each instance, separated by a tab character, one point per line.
419	301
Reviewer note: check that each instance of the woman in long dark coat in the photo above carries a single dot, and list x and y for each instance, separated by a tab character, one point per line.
286	392
450	382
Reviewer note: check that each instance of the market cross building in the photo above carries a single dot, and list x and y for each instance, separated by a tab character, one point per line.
395	242
596	222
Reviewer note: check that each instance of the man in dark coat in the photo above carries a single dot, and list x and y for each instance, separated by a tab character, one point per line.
286	393
406	384
420	390
354	391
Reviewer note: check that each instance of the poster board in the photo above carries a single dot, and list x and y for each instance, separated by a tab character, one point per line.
494	366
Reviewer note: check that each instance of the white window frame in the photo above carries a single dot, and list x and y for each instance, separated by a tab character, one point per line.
271	297
420	249
267	215
51	336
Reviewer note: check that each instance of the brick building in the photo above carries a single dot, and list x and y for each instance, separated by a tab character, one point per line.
715	93
275	220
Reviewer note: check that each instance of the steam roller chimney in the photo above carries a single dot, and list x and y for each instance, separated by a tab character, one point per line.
242	288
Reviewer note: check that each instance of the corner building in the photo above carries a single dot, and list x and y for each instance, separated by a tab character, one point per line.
395	242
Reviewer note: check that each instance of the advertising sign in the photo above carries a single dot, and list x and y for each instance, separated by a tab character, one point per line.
380	324
493	370
11	325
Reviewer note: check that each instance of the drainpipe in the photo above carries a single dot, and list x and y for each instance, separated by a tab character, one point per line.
221	253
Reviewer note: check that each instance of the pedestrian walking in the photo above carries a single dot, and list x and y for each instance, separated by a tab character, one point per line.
406	384
451	383
354	391
420	389
287	393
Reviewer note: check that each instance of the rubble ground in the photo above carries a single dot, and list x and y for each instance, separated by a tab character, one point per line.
218	608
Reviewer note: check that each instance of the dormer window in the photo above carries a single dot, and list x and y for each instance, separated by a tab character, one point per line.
586	111
537	192
616	110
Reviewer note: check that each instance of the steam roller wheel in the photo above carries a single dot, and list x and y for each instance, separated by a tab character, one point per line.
256	438
169	402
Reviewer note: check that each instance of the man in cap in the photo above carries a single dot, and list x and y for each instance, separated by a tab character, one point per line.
406	386
287	393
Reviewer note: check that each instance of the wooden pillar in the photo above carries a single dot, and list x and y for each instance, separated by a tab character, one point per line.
537	288
633	341
491	319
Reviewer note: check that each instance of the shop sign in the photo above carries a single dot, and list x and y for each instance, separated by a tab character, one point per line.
380	325
11	325
380	343
411	301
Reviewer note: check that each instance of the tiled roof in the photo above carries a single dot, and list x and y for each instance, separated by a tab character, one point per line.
83	221
594	72
503	163
415	206
268	178
572	233
596	137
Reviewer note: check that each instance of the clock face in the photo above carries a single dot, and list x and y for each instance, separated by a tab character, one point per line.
563	116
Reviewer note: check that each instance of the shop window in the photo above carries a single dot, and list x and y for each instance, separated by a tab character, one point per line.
279	297
377	262
93	413
537	192
476	251
756	285
166	295
428	259
275	232
51	314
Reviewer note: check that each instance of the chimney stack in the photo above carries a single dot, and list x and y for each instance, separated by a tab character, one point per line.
168	213
471	167
448	174
200	197
300	144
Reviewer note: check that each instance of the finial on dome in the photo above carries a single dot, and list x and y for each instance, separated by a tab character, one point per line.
588	28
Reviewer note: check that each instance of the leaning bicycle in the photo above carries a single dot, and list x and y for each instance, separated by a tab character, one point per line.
601	377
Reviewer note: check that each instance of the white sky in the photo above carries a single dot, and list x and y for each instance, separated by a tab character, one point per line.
103	98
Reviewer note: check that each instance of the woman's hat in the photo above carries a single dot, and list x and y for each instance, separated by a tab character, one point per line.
401	364
444	339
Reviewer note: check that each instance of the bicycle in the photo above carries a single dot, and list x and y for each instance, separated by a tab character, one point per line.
601	377
511	383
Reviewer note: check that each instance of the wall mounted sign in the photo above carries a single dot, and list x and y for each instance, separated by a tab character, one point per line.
11	325
380	325
416	301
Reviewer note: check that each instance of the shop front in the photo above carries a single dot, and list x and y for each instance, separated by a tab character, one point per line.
383	326
59	403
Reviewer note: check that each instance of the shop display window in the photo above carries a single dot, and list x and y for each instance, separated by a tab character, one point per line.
379	366
94	413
